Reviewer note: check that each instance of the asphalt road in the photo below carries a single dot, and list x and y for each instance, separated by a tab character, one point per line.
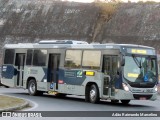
76	103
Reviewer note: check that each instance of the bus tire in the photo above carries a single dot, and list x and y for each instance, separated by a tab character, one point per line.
32	88
87	94
125	102
93	94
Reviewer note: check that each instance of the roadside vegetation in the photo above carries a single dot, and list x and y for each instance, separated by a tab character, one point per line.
9	102
107	10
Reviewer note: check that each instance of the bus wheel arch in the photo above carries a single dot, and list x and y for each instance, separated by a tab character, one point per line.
30	78
92	93
32	87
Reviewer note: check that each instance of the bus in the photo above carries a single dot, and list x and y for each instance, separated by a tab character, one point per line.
116	72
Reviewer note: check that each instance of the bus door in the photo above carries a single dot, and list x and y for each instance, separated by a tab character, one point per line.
53	69
110	72
19	64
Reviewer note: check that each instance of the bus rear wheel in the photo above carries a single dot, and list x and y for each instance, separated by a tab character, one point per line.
32	88
93	94
125	102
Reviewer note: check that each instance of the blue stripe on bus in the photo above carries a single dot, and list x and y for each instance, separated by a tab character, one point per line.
45	72
71	77
8	71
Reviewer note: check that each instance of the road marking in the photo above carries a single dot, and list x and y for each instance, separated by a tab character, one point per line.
33	104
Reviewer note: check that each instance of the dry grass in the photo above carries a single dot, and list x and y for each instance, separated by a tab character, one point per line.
106	12
147	2
6	102
107	9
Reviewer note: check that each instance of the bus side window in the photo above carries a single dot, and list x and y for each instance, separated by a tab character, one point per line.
9	56
29	57
39	57
110	65
91	59
73	59
114	64
106	65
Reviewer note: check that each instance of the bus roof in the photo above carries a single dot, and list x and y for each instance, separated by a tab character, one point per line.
82	45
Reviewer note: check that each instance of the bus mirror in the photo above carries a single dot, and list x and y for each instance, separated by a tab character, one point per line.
122	60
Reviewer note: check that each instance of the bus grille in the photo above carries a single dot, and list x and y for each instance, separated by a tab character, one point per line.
139	85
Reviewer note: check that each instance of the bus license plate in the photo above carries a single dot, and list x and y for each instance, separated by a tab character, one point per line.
142	98
52	92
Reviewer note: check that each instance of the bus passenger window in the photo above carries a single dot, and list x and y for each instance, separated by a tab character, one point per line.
114	64
9	56
106	65
39	57
29	57
91	59
73	59
110	64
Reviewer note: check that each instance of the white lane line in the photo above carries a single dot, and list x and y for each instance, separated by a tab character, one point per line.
33	104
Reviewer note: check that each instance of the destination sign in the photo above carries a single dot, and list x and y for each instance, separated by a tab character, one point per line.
141	51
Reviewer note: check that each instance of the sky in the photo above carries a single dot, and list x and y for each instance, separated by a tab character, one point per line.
89	1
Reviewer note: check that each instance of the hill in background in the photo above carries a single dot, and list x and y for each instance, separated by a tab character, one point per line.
31	21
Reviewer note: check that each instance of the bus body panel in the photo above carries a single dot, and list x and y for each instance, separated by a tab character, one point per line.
71	89
8	75
66	80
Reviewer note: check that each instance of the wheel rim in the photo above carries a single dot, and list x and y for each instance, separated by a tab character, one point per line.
92	94
32	87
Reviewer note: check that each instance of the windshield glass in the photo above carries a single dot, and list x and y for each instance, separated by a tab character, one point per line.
140	69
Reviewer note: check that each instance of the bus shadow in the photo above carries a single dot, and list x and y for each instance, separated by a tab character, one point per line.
82	100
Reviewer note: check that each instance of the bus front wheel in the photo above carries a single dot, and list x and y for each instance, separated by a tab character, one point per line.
93	94
32	88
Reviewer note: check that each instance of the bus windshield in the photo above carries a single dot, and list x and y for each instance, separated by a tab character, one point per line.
140	69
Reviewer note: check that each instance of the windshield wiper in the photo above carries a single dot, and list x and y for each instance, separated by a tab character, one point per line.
136	61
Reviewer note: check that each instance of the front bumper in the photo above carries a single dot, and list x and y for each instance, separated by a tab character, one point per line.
123	95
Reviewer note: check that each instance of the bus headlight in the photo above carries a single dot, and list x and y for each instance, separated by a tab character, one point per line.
125	87
156	89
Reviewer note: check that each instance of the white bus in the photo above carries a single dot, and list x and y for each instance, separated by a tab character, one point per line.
118	72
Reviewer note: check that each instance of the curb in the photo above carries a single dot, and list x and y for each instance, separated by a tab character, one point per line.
16	107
